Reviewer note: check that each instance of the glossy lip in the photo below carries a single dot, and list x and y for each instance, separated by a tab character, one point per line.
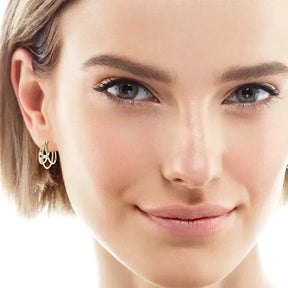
198	227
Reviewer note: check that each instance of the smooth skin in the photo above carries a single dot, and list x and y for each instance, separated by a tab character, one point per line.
183	145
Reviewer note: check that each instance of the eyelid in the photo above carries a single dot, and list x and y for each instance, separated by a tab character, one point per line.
274	94
135	81
269	88
252	84
227	94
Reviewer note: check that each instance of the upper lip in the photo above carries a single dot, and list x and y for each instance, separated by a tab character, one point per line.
186	212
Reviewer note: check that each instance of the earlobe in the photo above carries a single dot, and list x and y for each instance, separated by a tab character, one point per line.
29	94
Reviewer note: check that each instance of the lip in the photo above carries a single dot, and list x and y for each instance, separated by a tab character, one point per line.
185	212
197	221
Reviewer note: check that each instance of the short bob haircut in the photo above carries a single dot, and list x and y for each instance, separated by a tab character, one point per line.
35	26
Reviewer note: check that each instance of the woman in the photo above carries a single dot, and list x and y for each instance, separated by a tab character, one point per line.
135	114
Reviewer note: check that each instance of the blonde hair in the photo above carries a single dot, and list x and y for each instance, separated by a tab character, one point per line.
33	25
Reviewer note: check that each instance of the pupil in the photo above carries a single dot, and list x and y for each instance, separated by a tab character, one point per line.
128	89
247	93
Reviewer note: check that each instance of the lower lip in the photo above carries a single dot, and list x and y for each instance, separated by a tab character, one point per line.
191	228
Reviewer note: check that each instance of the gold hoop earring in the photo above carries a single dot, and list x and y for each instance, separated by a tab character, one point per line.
44	156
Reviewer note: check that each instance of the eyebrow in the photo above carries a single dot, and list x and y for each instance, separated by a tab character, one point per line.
253	71
130	66
231	74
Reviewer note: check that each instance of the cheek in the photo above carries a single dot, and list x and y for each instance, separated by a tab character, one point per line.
102	155
256	157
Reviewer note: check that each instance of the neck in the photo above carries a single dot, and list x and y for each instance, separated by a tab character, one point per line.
113	274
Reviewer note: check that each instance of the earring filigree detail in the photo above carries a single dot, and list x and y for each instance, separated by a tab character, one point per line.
44	156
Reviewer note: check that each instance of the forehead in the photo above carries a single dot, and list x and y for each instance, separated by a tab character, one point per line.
182	35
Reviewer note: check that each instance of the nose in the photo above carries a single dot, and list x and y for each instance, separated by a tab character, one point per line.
193	158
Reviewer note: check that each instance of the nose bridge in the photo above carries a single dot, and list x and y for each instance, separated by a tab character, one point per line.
194	156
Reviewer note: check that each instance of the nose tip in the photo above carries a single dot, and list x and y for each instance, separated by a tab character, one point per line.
192	173
194	155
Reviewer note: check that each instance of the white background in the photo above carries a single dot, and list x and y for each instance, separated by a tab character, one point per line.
3	4
57	251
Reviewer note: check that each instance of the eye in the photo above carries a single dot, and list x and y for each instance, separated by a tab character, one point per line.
252	94
125	91
130	92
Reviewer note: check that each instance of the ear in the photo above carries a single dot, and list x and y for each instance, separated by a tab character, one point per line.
31	98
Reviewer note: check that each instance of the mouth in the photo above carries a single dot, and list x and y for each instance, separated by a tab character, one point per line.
195	226
189	212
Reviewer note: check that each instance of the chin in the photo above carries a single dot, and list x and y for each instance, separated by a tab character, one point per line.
180	280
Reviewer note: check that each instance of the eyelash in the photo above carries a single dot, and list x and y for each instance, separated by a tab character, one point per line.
102	87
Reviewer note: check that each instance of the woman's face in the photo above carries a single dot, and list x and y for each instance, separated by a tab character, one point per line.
191	140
